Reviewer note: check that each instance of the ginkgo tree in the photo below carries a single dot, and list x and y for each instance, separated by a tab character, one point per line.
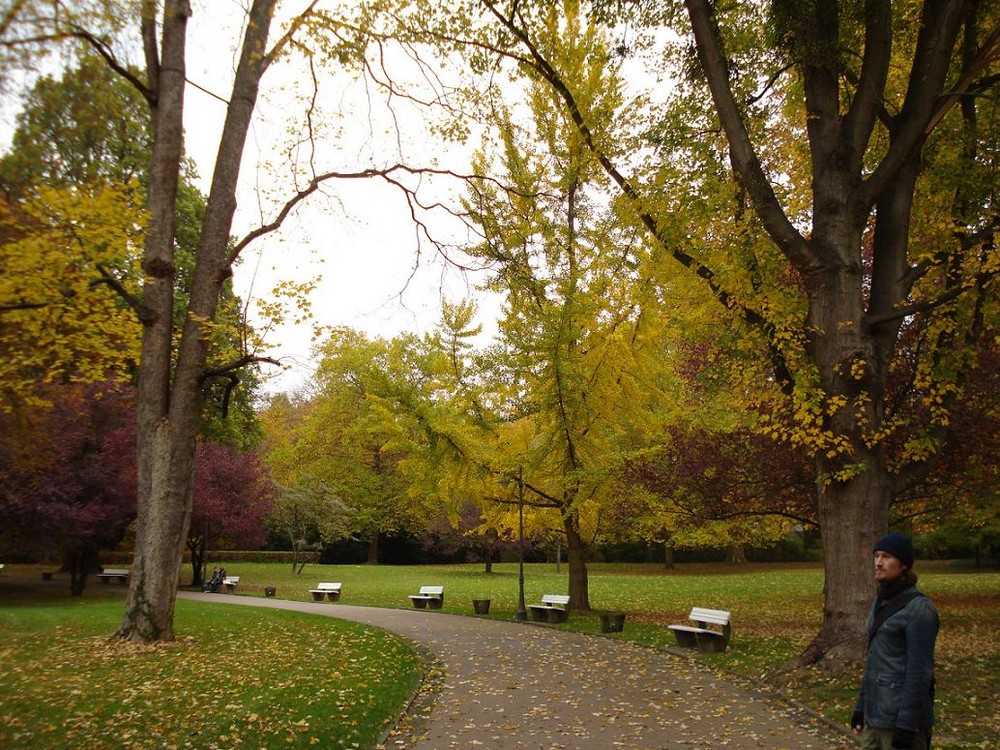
578	335
825	170
350	442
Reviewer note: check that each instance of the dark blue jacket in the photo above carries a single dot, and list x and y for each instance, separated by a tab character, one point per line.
896	690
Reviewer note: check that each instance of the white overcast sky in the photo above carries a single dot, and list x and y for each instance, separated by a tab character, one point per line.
358	237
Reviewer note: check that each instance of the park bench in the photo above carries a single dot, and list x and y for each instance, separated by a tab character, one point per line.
553	608
428	597
230	582
114	574
701	636
331	590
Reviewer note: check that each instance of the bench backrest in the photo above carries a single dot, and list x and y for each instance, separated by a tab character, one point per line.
431	591
712	616
328	586
115	572
231	579
556	599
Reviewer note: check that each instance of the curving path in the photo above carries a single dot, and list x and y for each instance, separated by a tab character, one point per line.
510	685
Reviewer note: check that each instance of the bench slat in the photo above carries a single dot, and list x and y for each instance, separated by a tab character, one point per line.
714	616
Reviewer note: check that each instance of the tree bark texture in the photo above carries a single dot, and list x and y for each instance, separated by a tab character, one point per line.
170	387
579	589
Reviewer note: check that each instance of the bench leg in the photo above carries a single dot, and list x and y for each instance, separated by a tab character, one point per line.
686	639
317	596
333	595
710	643
419	603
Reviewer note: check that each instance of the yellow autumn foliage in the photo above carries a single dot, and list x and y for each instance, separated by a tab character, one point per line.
62	251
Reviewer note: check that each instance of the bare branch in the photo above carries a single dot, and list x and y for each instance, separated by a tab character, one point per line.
238	364
386	174
107	278
102	48
920	306
22	305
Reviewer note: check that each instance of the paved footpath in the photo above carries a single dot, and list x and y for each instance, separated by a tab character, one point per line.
509	685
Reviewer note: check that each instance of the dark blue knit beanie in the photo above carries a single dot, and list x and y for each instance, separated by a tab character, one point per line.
898	546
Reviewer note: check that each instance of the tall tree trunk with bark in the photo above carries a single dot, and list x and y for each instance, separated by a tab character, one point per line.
579	589
170	388
853	322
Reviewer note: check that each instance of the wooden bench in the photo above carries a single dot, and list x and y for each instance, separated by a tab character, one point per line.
230	582
114	574
552	609
331	590
428	597
701	636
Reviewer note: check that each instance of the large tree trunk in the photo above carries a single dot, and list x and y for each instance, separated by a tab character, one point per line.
162	494
849	346
170	392
579	588
852	516
372	558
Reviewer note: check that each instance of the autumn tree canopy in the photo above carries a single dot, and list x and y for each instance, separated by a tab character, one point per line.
827	176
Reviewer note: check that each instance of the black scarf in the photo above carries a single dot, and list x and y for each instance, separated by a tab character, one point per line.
892	597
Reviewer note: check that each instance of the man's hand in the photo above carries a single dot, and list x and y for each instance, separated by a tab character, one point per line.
858	722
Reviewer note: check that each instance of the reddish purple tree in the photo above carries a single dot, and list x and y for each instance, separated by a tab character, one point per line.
68	483
232	494
67	476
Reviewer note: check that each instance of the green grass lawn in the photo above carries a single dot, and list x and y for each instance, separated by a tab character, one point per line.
776	609
264	679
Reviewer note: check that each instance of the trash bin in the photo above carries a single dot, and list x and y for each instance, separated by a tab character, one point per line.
270	591
612	622
481	606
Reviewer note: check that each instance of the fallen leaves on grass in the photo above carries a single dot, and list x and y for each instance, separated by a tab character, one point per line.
274	681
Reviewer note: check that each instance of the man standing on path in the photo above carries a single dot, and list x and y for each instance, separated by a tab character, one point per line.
895	706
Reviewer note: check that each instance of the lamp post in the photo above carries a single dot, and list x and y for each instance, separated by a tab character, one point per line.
522	613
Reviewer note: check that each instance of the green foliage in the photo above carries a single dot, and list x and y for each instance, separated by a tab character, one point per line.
72	233
88	126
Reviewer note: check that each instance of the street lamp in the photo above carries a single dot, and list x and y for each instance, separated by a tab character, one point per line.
522	612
